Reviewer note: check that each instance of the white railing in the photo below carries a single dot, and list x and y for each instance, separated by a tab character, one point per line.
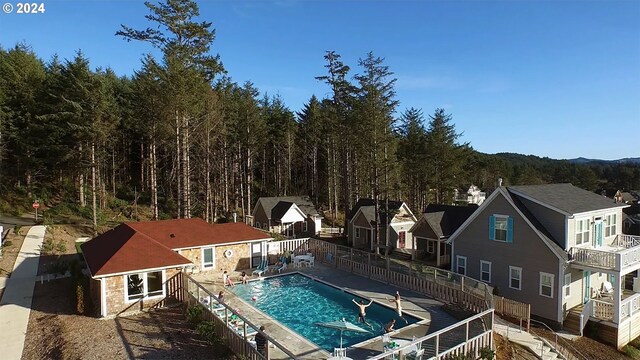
629	258
603	310
587	311
627	241
471	345
592	257
629	306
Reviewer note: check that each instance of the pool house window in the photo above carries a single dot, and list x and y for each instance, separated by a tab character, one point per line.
515	277
582	231
462	264
610	225
207	258
501	228
485	271
546	284
144	285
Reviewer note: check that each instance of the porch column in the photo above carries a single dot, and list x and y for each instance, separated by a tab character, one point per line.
617	297
437	253
293	230
413	246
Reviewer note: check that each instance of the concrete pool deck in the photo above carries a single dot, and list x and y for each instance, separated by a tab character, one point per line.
413	303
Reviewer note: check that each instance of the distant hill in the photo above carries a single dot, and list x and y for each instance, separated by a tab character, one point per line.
582	160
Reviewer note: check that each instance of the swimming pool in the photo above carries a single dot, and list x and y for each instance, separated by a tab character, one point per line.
300	302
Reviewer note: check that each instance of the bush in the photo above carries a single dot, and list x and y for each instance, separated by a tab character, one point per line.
486	353
194	314
207	331
6	243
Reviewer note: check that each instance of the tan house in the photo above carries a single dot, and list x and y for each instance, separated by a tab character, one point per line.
132	264
292	216
399	218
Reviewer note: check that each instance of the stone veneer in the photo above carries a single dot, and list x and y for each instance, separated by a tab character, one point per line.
115	295
238	261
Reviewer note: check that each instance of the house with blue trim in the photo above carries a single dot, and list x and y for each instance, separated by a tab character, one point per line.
561	249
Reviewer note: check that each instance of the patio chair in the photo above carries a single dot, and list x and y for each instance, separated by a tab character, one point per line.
607	289
264	266
282	267
339	352
416	355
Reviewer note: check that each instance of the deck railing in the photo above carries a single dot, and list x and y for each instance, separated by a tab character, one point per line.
603	310
477	333
626	255
238	342
629	306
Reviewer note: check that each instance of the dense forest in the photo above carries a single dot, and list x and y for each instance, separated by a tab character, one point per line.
181	138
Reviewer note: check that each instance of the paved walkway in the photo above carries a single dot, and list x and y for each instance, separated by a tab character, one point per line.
521	337
15	306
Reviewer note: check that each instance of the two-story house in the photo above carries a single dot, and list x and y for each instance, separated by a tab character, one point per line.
287	215
398	217
559	248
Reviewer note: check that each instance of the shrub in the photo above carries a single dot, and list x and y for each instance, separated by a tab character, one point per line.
194	314
487	353
16	229
207	331
6	243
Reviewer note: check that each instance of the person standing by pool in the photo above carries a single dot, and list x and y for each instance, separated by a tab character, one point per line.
261	341
398	302
389	327
362	315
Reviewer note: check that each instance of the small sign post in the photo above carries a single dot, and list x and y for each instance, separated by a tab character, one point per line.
36	205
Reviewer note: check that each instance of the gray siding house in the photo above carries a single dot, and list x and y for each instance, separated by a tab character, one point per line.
291	216
559	248
432	231
399	217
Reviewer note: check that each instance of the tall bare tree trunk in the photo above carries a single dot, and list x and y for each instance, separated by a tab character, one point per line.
154	175
93	189
178	167
81	182
186	171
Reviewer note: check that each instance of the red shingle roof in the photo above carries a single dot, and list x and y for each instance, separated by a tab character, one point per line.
195	232
136	246
122	250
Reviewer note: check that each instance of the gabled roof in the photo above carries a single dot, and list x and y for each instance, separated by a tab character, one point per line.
136	246
564	198
444	220
522	211
370	211
123	249
304	203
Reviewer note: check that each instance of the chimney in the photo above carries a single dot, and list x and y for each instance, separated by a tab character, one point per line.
499	182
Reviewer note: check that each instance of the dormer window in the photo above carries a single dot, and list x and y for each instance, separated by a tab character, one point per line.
582	231
501	228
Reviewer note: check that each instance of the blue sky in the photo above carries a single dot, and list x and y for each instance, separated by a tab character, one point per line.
550	78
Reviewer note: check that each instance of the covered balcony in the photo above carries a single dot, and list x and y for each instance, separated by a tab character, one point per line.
622	255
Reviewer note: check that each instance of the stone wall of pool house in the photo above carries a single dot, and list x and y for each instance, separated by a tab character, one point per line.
115	303
239	259
193	255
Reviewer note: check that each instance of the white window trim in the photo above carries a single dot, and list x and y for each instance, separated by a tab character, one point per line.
495	228
144	287
587	231
543	274
213	258
609	226
483	262
458	258
567	285
510	278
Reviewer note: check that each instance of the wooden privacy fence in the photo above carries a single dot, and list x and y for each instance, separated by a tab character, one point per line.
513	309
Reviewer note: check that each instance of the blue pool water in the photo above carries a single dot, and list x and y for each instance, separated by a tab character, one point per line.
300	302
